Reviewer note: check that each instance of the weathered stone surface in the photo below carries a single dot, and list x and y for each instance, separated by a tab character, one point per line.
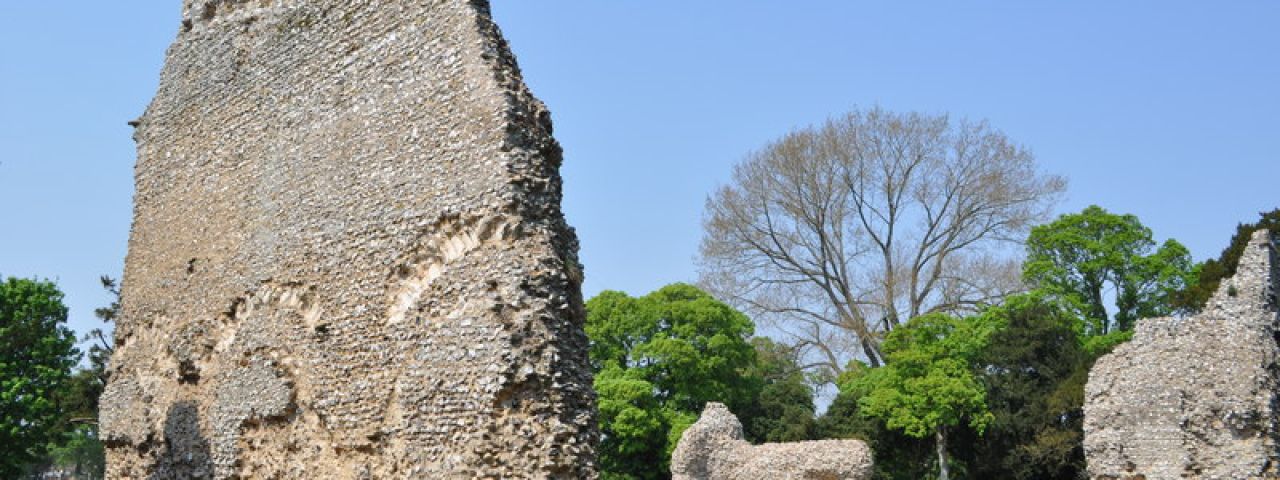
713	448
1194	397
348	258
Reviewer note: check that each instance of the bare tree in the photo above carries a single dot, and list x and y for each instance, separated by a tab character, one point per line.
838	233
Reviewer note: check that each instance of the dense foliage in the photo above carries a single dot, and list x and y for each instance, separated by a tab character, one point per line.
78	451
37	352
1079	256
1033	371
784	408
928	386
658	359
898	456
1014	409
1006	386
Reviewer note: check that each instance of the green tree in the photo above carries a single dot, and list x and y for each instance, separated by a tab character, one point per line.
927	387
81	454
658	359
784	409
1033	370
1213	271
1079	256
37	352
79	450
898	456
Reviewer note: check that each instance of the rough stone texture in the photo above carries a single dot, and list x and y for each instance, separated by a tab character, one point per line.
348	258
1194	397
713	448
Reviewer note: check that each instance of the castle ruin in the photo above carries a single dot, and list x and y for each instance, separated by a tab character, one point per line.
713	448
1197	397
347	258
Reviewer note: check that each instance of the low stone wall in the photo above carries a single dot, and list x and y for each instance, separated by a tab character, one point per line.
1195	397
714	449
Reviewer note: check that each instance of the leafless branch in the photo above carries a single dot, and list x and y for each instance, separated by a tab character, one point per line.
837	233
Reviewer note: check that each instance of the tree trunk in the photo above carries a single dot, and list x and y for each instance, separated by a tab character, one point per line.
1097	309
940	442
872	353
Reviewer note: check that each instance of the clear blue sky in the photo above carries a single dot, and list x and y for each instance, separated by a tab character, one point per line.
1167	110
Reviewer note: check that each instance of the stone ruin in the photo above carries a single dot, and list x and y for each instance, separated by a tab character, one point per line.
1196	397
713	448
347	258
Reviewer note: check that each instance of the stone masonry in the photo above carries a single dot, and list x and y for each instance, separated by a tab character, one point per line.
347	259
713	448
1195	397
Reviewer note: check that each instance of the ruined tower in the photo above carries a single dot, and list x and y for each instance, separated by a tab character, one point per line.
348	258
1197	397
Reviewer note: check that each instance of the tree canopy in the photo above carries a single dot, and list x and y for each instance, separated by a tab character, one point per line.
37	352
928	384
1080	256
898	456
658	359
784	408
840	232
1033	370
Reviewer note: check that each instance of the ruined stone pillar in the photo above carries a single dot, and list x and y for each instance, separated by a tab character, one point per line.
348	258
1194	397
